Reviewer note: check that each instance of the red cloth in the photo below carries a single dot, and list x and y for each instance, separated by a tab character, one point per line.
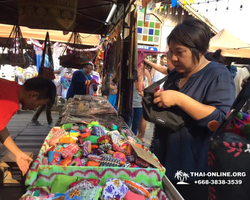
143	53
9	101
130	196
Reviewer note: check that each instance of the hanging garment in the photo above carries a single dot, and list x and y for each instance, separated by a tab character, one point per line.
57	52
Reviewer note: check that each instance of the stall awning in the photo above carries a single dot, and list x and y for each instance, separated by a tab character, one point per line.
38	34
230	45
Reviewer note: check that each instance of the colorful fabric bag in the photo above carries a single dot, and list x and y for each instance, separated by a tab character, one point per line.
114	188
229	152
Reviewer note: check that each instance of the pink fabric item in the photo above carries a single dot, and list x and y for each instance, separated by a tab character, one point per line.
70	150
56	136
131	196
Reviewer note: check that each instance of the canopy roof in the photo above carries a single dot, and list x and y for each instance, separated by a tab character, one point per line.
38	34
230	45
90	18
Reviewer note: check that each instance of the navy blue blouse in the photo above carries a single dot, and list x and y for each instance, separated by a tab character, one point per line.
77	85
187	148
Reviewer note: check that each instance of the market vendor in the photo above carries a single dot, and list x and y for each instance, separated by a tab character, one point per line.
33	93
204	91
81	79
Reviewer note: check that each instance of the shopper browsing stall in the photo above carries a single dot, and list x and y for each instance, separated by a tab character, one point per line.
199	91
155	73
81	80
162	69
35	91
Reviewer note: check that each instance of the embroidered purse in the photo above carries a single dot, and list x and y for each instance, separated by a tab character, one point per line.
229	152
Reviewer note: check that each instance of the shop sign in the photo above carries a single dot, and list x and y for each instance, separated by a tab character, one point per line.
147	48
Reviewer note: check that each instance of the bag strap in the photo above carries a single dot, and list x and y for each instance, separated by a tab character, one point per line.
47	45
50	54
152	87
44	50
15	33
239	102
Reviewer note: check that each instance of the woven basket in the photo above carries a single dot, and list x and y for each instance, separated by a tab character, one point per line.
48	14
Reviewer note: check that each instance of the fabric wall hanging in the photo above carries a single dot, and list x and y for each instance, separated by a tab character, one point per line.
47	14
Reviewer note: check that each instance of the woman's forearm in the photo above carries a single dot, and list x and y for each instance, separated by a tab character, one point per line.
157	67
193	108
147	74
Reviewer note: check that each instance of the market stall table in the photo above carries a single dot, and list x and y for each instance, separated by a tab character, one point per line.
92	147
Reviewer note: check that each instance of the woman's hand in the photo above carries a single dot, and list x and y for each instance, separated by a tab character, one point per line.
167	98
141	93
114	91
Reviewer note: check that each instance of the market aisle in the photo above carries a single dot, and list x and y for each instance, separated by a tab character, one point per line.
28	136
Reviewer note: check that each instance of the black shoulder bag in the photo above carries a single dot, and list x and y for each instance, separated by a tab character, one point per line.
169	117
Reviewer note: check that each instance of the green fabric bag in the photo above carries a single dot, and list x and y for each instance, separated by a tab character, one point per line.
93	139
61	183
66	126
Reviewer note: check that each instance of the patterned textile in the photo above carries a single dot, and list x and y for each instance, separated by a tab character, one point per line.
98	131
83	185
116	148
126	165
94	182
70	150
120	156
59	148
98	152
79	154
84	161
91	194
103	140
45	161
58	132
141	163
75	162
57	52
86	148
110	162
114	188
73	195
54	157
137	188
38	50
95	158
110	152
131	158
105	147
66	161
